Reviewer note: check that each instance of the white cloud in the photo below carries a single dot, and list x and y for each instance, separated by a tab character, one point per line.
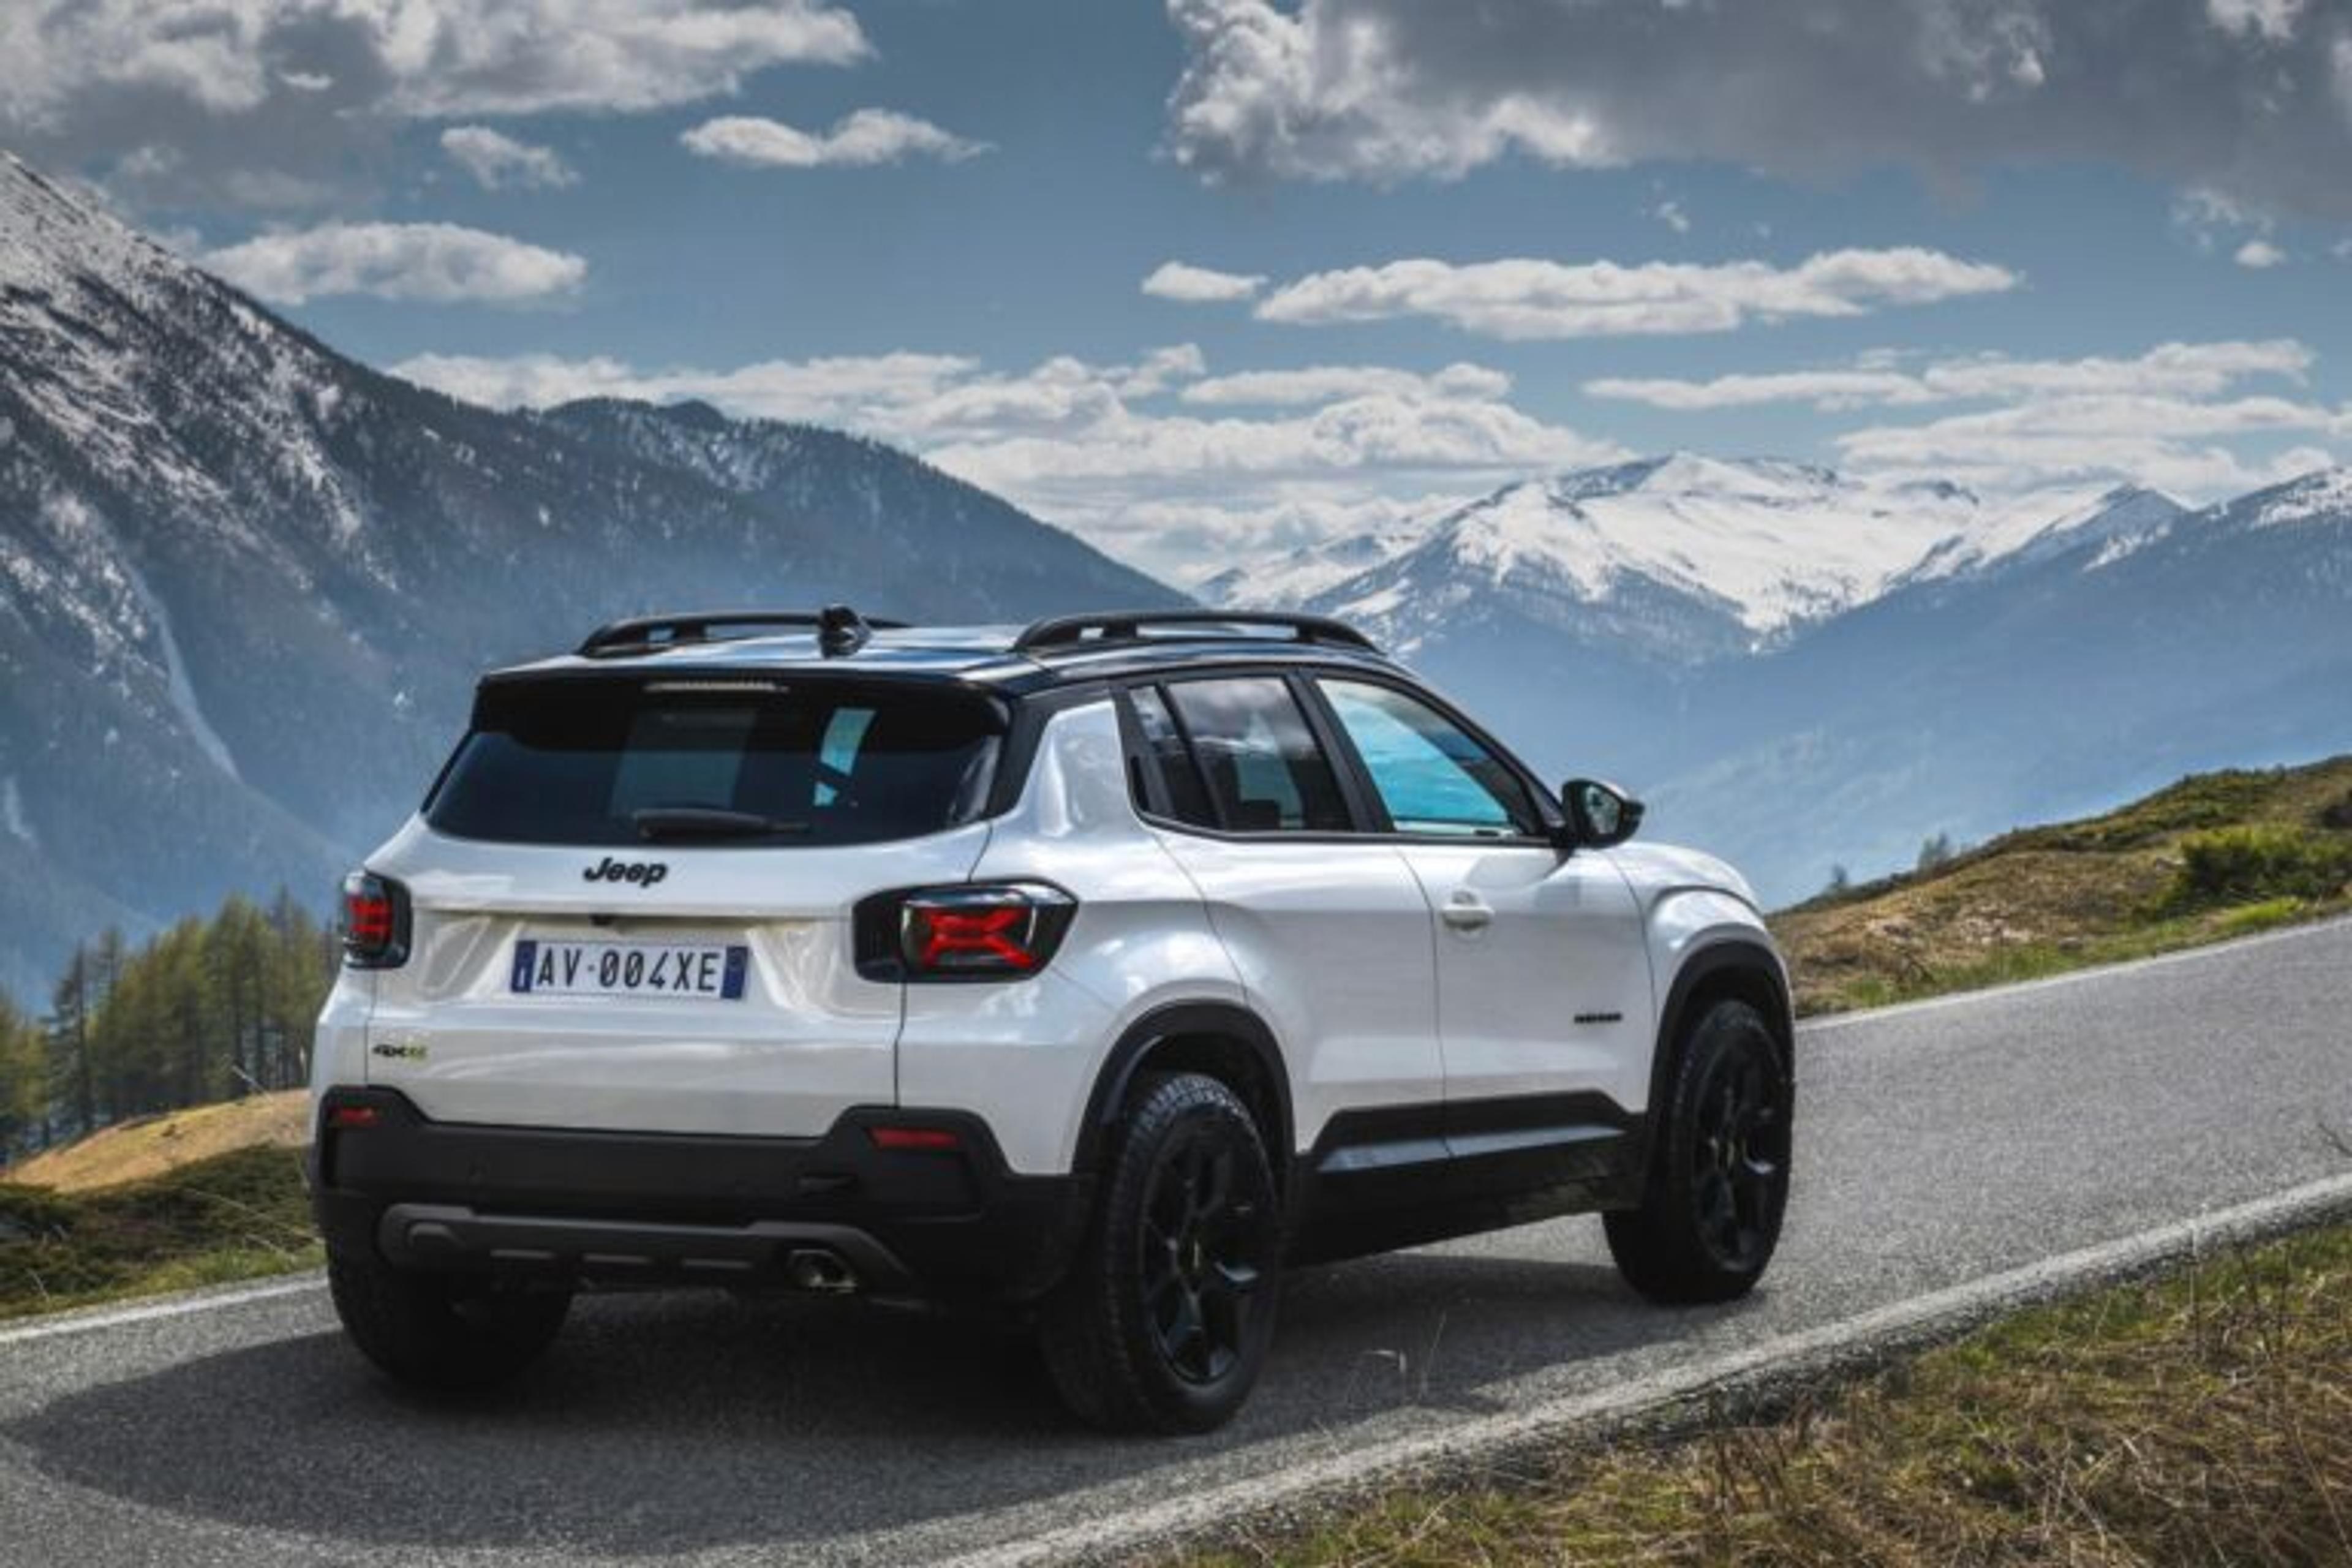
1383	91
862	140
1199	285
429	261
2177	369
1530	298
2178	416
1670	213
2273	20
429	59
1099	448
1311	384
2259	255
861	391
295	88
2189	451
2207	217
496	159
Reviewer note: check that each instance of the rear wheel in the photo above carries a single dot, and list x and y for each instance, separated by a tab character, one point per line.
1164	1322
445	1331
1718	1179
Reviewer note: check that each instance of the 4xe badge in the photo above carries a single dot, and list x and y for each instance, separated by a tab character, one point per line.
644	873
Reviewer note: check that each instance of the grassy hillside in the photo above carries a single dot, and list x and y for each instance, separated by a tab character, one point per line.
2215	856
231	1217
151	1146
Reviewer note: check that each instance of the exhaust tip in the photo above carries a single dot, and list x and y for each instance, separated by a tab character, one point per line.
818	1269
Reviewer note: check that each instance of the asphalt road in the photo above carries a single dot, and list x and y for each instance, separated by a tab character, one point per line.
1937	1144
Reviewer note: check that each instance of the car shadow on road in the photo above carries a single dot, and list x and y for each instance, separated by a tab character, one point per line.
664	1424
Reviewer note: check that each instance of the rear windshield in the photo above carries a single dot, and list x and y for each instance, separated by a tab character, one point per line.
616	763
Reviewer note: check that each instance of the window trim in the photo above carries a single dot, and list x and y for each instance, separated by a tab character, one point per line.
1370	821
1308	714
1142	758
1378	811
1016	727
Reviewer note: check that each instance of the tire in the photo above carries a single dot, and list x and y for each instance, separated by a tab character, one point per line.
448	1332
1718	1186
1164	1319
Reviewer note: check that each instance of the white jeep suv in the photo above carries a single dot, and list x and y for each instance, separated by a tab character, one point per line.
1100	969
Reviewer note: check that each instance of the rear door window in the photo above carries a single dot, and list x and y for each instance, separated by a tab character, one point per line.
1258	757
613	763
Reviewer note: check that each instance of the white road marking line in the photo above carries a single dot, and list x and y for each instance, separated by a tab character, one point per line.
169	1307
1902	1320
1827	1023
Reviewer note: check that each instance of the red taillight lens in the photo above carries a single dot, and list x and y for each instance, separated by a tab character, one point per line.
958	938
987	933
351	1117
376	921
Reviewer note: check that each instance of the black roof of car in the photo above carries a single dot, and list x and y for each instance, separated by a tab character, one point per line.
1050	652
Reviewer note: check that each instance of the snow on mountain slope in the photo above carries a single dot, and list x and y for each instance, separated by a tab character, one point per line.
2325	497
1693	557
1289	580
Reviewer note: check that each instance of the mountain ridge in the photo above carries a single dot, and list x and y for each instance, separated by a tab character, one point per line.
246	581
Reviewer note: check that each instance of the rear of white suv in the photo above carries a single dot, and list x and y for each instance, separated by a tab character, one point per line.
1095	974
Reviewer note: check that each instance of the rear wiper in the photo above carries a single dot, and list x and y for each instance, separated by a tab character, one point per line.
655	822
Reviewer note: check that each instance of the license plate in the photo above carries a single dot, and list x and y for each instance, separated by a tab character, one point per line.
707	970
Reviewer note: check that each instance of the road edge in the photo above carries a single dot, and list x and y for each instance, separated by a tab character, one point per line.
180	1304
1784	1362
1827	1023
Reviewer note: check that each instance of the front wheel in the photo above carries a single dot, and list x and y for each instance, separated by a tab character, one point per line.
451	1332
1164	1322
1718	1179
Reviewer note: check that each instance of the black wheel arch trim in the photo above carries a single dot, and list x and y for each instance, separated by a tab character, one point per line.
1180	1020
1724	954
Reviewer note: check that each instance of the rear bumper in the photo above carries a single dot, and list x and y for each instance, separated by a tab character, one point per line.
670	1208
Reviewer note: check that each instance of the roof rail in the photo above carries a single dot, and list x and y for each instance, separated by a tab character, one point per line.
841	630
1135	626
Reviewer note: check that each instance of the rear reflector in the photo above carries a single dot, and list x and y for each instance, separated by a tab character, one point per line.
349	1117
904	1138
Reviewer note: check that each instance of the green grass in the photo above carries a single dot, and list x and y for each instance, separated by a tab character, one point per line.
233	1217
2203	1417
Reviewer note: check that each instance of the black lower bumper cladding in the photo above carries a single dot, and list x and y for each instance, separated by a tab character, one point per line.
835	1213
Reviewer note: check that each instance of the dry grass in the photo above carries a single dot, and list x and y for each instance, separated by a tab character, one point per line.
2204	1418
232	1217
2156	876
151	1146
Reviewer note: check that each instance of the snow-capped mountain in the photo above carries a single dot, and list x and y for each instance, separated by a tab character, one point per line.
2067	680
1801	667
246	582
1682	558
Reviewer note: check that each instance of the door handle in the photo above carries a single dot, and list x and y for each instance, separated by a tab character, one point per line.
1466	911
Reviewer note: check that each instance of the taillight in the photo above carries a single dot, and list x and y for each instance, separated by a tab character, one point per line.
984	933
376	921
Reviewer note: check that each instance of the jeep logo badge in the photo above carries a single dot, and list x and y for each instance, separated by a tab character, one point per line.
644	873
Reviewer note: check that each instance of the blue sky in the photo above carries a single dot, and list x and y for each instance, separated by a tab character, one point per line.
2013	241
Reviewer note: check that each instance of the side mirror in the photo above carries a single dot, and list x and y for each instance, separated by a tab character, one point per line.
1600	816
